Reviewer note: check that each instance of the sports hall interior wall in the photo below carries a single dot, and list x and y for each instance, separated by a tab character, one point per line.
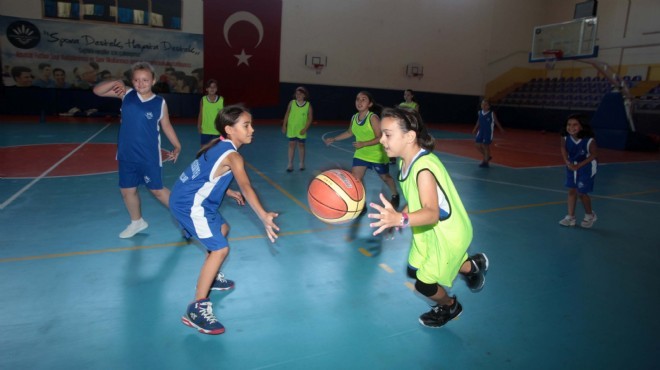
330	103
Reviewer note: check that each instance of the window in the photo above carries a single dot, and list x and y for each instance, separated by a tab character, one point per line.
154	13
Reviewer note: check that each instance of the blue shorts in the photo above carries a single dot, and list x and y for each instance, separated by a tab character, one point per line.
380	168
582	180
131	175
484	137
207	228
301	140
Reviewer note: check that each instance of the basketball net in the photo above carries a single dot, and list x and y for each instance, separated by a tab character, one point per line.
551	57
318	68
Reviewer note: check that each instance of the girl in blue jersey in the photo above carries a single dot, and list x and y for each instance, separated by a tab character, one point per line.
143	115
296	122
579	150
194	203
486	122
441	228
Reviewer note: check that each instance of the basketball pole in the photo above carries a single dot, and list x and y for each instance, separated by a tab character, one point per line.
614	79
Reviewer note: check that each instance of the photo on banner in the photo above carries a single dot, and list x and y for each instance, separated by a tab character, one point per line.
56	54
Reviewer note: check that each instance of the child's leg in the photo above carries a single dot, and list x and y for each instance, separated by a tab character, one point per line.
163	195
389	181
358	172
209	272
480	148
132	202
486	152
292	150
301	154
586	202
572	200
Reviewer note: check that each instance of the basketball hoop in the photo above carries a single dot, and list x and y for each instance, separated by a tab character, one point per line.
318	68
551	57
418	75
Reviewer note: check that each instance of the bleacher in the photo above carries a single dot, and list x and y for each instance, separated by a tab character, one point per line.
584	93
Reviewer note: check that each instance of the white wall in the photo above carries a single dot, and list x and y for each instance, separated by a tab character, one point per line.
462	43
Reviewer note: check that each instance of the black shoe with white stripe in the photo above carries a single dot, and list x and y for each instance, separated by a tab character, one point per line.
476	277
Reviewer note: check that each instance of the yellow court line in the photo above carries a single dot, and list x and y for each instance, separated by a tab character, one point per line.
365	252
386	268
409	285
278	187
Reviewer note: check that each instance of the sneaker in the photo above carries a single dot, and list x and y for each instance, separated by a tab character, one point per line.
588	220
476	277
200	316
133	228
440	315
220	283
484	165
396	199
567	221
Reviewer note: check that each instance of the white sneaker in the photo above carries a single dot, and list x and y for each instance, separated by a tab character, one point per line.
133	228
567	221
589	220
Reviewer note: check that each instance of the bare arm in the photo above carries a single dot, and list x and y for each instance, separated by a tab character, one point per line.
344	135
285	122
168	130
199	116
388	217
310	115
237	166
111	89
497	122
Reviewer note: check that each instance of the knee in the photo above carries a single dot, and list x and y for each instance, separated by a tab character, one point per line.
427	290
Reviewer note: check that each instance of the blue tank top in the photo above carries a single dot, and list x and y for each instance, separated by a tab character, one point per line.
486	123
139	132
196	192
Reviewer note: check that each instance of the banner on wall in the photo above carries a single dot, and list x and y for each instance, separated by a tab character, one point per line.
78	55
242	43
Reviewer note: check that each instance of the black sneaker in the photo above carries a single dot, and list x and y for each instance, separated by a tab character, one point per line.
476	277
395	201
440	315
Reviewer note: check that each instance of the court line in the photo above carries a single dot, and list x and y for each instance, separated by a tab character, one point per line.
154	246
278	187
53	167
594	196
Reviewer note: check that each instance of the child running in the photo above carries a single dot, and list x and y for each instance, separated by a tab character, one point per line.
369	153
579	150
484	132
441	228
143	114
296	122
209	106
194	203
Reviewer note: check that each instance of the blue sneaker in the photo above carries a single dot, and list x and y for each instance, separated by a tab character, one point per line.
200	316
220	283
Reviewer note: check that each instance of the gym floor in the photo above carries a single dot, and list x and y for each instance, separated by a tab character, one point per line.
75	296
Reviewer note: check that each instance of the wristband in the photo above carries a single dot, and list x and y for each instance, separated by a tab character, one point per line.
405	221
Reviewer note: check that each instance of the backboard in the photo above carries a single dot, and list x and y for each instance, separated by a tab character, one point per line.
576	39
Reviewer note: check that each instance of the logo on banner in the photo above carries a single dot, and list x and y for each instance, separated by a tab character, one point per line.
23	34
243	57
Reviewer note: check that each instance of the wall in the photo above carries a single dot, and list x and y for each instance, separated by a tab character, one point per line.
463	44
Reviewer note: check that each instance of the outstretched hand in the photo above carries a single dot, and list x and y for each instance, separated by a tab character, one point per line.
271	228
386	217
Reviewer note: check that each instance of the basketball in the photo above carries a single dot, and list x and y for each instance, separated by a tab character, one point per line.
335	196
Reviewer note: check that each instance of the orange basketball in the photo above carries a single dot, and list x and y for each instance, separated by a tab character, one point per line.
335	196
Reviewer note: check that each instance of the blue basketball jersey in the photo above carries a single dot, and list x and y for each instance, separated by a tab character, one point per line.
486	123
196	195
139	132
